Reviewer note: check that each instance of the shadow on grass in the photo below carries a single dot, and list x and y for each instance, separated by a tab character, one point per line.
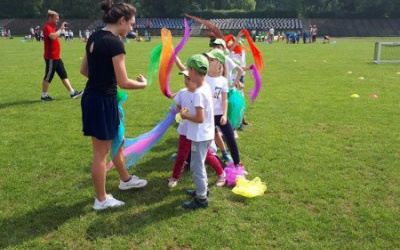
133	223
158	202
28	102
16	230
18	103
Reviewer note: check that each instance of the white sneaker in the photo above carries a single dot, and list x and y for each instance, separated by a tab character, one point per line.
134	182
109	202
220	181
172	182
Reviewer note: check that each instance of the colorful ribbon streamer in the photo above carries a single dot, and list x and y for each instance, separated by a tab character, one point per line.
136	148
166	53
168	57
238	49
253	93
154	65
209	25
119	140
258	58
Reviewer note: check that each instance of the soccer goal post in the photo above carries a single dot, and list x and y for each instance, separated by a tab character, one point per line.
387	52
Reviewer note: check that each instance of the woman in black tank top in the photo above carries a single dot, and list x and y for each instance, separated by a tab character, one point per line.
104	66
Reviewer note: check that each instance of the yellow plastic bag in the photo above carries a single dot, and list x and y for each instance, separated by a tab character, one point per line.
248	188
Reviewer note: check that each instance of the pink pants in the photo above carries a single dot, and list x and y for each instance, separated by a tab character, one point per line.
184	145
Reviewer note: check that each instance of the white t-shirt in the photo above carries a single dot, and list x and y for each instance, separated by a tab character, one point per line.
242	60
272	31
218	85
184	98
230	65
206	130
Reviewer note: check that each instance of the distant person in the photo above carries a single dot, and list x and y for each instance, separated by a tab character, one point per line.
314	33
287	37
71	35
271	35
37	33
298	35
52	57
66	35
304	34
253	35
87	35
32	33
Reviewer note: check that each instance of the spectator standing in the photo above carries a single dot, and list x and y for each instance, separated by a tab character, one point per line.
52	57
271	34
314	33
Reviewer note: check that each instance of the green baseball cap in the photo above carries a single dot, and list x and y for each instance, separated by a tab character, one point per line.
184	72
216	54
218	41
199	63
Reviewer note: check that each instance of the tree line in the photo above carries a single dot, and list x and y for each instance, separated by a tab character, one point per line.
209	8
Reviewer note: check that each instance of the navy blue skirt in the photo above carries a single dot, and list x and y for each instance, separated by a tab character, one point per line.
100	116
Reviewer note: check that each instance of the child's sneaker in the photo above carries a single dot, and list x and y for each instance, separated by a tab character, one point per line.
192	192
221	181
134	182
195	204
109	202
172	182
76	94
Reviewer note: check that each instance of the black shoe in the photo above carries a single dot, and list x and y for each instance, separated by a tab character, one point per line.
47	98
76	94
195	204
192	192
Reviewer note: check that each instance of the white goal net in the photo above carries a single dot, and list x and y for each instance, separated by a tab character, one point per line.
387	52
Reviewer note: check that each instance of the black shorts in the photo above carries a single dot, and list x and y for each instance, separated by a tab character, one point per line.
53	66
100	116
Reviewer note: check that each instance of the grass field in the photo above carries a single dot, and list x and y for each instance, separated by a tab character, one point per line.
331	162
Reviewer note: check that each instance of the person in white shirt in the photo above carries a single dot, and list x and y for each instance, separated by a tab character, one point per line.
184	100
219	89
200	130
271	34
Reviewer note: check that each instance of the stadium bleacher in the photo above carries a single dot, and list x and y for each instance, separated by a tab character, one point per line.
159	23
331	27
257	23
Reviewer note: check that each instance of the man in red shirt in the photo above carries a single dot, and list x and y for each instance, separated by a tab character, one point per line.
52	56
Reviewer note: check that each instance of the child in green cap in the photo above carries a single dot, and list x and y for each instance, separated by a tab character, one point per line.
200	130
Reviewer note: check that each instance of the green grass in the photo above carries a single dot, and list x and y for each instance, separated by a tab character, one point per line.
331	162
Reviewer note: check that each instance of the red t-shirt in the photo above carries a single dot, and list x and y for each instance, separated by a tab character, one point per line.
51	47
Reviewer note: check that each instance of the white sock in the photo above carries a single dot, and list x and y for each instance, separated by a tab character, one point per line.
72	91
44	94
